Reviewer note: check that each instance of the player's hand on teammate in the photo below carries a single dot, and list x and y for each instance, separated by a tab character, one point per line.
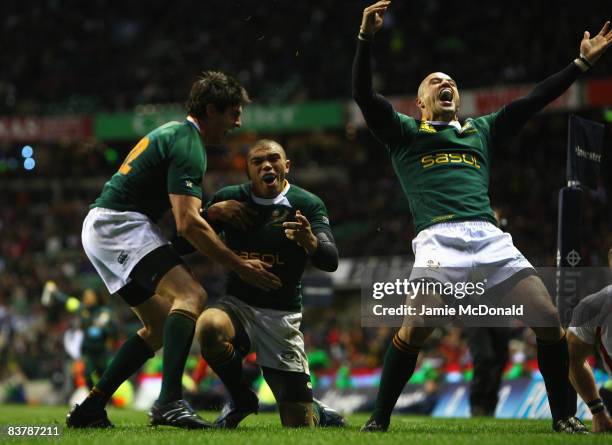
256	274
373	16
232	212
301	232
602	423
593	48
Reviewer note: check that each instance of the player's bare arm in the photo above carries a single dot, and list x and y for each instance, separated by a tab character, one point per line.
581	376
194	228
232	212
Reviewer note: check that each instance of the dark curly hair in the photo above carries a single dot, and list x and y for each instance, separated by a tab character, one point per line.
217	88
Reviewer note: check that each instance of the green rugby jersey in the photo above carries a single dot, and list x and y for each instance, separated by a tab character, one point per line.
444	170
169	160
266	240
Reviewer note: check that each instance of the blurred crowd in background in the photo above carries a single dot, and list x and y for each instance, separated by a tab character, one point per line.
283	52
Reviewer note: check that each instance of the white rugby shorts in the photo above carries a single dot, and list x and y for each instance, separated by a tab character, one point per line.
457	251
274	335
116	241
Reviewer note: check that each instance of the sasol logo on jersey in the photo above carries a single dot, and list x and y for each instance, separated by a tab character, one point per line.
271	258
449	158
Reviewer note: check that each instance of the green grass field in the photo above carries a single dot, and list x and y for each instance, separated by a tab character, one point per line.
132	428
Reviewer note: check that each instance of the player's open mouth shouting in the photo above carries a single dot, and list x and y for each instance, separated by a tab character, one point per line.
446	97
269	178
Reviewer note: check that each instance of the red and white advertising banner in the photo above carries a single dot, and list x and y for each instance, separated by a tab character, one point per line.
44	129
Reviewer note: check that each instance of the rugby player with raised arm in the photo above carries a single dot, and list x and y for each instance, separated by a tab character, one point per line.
443	167
122	240
287	227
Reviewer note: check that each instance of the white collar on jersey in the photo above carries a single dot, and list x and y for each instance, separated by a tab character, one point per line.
455	124
278	199
195	123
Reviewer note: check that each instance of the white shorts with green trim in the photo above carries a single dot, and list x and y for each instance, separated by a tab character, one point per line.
275	335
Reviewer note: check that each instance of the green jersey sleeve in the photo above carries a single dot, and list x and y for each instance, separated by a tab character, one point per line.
408	129
187	164
487	126
316	213
224	194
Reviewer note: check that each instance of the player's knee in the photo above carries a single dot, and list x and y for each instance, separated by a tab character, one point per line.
191	299
414	336
548	316
549	333
196	297
153	337
211	329
551	317
183	291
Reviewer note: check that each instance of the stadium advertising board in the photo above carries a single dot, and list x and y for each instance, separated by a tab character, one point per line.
308	116
45	129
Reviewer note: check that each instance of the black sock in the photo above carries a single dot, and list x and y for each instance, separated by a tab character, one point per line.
134	352
178	336
553	361
571	401
398	367
228	366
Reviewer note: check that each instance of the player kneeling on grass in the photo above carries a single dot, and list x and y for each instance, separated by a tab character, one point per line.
591	330
443	167
121	238
285	226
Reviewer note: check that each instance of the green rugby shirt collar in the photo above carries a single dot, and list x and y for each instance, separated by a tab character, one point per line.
455	124
194	123
279	199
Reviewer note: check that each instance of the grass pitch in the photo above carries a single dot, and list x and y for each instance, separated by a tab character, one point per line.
264	429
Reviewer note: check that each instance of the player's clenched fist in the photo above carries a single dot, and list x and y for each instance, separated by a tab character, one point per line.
373	17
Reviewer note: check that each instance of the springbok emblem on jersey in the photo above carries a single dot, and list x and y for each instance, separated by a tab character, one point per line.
278	216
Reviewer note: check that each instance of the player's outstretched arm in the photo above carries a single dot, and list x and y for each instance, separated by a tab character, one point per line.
195	229
377	111
581	376
516	113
